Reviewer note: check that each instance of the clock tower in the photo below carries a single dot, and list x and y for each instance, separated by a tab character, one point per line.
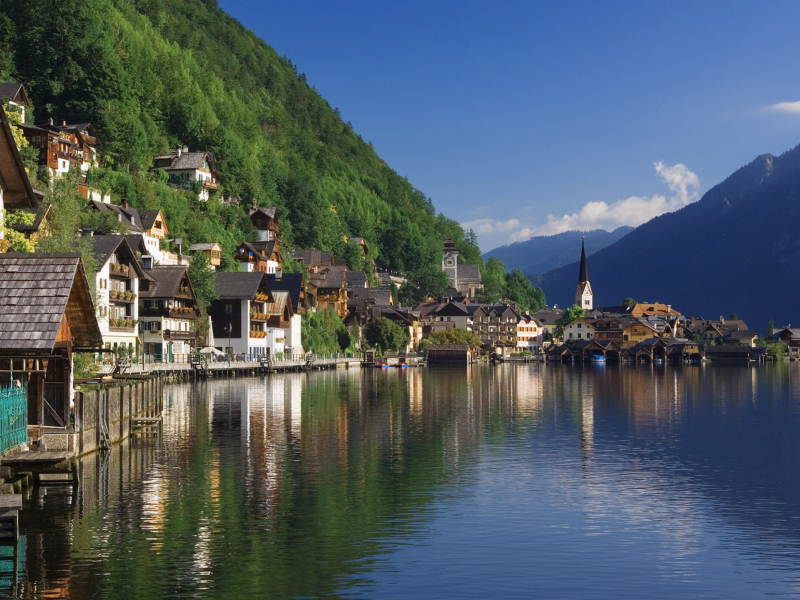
450	262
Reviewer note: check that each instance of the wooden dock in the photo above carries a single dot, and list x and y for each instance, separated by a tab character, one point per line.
237	368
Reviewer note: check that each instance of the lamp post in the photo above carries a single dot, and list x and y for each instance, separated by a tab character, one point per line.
227	328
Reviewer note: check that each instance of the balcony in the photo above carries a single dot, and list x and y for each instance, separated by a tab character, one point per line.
170	313
209	185
119	270
258	317
117	296
122	325
170	334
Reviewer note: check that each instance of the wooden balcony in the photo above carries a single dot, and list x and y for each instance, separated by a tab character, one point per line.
170	334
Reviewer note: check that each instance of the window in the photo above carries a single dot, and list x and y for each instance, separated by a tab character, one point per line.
228	308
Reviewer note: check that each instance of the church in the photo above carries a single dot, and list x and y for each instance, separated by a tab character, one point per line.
465	280
583	295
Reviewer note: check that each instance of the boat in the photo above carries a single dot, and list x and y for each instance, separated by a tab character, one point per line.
598	358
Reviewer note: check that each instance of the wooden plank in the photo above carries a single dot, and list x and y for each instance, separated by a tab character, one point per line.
48	478
45	456
10	501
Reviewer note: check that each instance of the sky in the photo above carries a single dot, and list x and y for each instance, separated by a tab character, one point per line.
532	118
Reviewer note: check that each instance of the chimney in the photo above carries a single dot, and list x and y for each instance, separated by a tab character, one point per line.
722	320
278	274
185	148
50	121
88	232
123	202
178	151
147	262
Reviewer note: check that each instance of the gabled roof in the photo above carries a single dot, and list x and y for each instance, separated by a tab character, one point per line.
148	217
205	247
356	279
14	92
451	309
165	282
17	190
103	246
36	291
741	334
327	280
290	282
281	302
469	274
241	286
313	258
268	211
548	316
136	242
190	160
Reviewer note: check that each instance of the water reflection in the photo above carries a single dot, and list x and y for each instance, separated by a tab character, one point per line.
366	482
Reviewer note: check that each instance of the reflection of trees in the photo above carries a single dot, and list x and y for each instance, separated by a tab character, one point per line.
283	486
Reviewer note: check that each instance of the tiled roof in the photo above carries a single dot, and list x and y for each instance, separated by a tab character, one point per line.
290	282
268	211
36	290
313	258
190	160
469	274
202	246
278	305
166	281
240	286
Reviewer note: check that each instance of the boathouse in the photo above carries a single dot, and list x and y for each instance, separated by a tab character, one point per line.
46	315
451	354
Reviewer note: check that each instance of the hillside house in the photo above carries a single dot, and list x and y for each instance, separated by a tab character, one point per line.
313	260
16	192
239	314
167	313
259	256
189	170
46	314
149	224
293	284
16	97
654	309
117	284
741	337
212	250
64	148
328	290
265	220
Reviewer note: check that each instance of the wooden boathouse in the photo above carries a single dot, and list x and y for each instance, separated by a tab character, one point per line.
451	354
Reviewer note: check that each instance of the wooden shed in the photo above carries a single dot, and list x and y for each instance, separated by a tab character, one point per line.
451	354
46	314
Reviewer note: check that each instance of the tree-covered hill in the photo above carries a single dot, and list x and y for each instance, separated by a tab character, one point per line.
151	74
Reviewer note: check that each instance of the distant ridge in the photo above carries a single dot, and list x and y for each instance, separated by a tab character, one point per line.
543	253
735	250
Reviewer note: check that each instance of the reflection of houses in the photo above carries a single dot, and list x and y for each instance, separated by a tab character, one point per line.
189	170
46	313
294	285
168	311
239	313
259	256
149	224
117	285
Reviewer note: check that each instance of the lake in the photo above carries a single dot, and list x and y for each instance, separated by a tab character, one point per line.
515	481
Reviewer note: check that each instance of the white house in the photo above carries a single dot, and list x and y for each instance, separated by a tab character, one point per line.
293	284
579	329
529	334
186	170
117	285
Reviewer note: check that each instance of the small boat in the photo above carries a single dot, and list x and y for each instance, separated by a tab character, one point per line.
598	358
401	366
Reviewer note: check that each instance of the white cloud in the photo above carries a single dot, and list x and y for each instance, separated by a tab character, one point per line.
632	211
491	226
790	107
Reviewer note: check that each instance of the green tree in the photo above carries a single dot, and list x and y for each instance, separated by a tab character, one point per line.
343	337
455	336
493	275
629	303
519	289
385	335
202	278
733	317
567	317
770	329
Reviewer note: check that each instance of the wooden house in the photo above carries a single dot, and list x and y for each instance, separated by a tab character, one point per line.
313	260
63	148
259	256
149	224
293	284
212	250
46	314
279	322
265	220
329	291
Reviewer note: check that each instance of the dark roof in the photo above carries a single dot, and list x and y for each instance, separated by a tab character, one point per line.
741	334
290	282
607	311
17	190
469	273
36	290
190	160
356	279
312	258
449	245
12	90
548	316
241	286
136	242
166	281
380	296
268	211
147	217
583	275
327	280
452	309
202	246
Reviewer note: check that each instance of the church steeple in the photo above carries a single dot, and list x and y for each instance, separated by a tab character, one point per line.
583	295
583	276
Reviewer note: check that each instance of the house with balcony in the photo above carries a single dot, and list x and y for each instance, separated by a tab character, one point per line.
496	323
313	260
212	250
265	220
295	286
259	256
329	290
189	170
279	323
16	97
117	283
66	147
239	314
168	312
529	334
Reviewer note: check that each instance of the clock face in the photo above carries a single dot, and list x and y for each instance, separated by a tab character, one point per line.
448	255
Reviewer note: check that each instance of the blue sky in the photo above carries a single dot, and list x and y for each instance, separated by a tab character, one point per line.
521	118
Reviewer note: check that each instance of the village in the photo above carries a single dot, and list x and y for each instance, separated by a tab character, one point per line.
138	310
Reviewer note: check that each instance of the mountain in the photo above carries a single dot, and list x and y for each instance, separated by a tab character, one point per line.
544	253
735	250
150	75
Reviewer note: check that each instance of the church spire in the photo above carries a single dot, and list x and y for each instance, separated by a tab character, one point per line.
583	276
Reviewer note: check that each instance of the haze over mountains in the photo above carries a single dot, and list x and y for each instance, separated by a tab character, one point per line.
735	250
546	252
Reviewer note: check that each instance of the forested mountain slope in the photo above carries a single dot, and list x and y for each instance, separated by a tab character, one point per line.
735	250
150	74
546	252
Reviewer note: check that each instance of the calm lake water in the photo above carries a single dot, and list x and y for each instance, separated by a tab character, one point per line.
529	481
